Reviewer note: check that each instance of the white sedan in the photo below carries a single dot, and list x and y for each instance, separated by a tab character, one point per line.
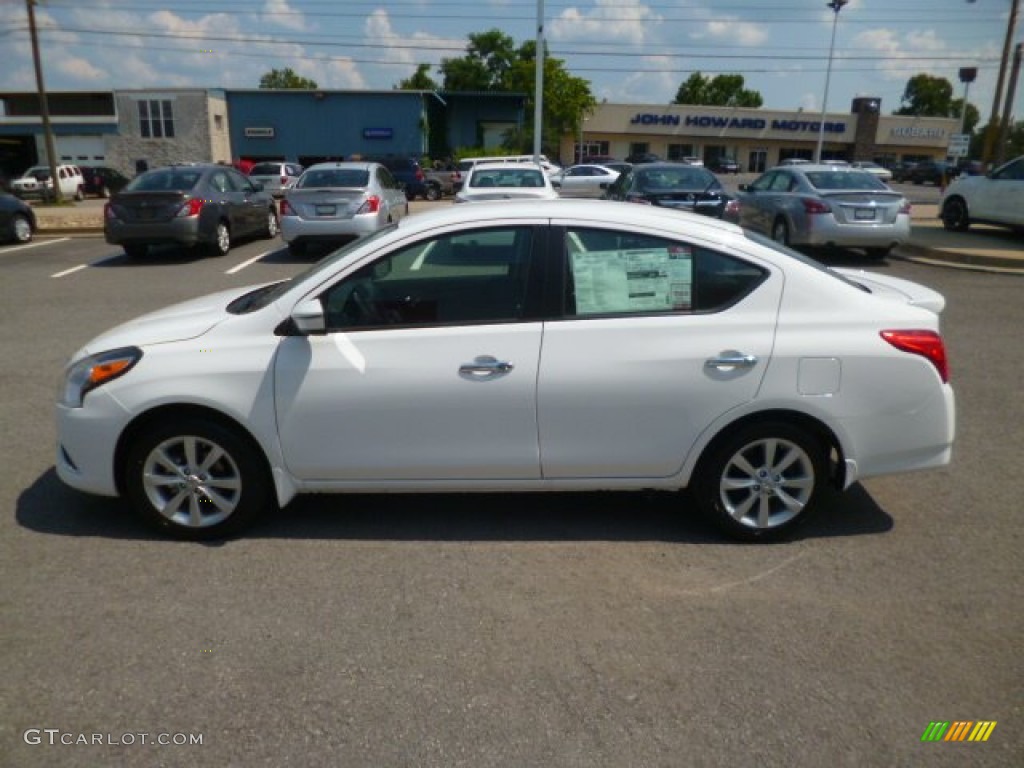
487	182
997	198
584	180
519	346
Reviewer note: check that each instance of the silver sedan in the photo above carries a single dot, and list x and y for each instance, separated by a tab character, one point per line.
337	202
824	205
583	180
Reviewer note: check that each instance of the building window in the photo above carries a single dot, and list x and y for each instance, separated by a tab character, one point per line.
218	122
156	119
676	152
639	147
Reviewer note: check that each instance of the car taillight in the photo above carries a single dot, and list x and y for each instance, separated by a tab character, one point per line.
732	207
286	209
419	174
928	344
905	207
372	205
284	181
192	207
815	206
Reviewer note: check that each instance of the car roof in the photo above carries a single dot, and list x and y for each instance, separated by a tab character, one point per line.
358	165
492	166
812	167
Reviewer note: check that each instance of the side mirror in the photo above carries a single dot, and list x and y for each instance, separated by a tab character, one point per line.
308	318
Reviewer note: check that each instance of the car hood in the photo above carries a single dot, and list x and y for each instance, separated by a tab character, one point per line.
896	289
174	323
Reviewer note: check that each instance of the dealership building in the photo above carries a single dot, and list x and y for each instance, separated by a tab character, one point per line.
135	129
758	138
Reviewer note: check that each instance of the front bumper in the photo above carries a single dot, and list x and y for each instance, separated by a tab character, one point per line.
86	443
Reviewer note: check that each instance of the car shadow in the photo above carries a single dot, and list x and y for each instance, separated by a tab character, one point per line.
50	507
314	252
157	256
847	257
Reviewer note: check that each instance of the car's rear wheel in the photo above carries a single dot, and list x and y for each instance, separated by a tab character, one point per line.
221	240
79	194
272	227
433	192
196	479
780	231
761	481
135	251
21	229
954	215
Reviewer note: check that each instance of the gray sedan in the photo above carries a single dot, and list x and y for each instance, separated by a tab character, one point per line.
824	205
338	202
190	205
583	180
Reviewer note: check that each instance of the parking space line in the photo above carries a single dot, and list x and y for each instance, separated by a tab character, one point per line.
16	248
96	263
244	264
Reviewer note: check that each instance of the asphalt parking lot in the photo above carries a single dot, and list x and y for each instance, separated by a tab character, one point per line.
575	630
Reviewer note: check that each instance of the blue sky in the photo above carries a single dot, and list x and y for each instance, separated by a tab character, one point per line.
630	51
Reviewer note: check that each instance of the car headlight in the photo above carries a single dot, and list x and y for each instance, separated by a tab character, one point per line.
93	371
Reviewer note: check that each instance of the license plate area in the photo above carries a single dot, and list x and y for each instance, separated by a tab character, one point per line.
325	210
864	214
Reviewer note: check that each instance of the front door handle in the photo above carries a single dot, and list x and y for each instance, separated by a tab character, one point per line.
730	361
484	366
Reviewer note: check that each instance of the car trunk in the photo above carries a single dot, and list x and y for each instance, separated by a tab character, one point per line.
148	206
868	208
326	203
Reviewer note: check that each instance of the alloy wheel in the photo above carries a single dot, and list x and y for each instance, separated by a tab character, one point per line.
767	483
192	481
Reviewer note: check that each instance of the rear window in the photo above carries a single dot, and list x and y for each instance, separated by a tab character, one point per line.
334	178
674	178
266	169
845	180
507	177
165	181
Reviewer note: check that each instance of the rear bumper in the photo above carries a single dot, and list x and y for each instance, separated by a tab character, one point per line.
825	230
297	229
185	231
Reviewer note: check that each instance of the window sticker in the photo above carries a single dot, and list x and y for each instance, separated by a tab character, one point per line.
633	280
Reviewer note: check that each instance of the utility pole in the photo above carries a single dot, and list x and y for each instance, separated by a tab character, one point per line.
1011	92
44	106
992	129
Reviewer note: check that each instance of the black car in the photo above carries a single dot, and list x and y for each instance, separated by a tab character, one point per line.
725	165
643	157
407	171
197	205
102	181
671	185
937	172
17	219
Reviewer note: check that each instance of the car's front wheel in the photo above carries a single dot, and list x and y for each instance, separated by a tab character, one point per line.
196	479
433	192
954	215
761	481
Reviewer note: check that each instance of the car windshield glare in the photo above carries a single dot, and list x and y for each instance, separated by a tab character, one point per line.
334	178
845	180
165	181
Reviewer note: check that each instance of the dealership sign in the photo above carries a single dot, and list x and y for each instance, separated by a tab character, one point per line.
741	123
377	133
259	132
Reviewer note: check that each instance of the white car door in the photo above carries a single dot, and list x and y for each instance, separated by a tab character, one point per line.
427	372
663	337
1001	196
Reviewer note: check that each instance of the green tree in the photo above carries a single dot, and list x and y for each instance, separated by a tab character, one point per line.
973	116
420	80
286	78
719	91
927	96
488	58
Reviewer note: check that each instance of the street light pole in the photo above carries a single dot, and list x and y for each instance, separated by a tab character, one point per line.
836	6
993	127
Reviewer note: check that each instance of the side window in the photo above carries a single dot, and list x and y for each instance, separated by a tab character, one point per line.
387	181
781	182
474	277
219	181
240	182
765	182
613	273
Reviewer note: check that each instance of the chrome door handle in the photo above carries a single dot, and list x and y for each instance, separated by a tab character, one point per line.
731	361
486	365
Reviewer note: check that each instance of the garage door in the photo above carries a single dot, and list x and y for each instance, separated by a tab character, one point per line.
80	150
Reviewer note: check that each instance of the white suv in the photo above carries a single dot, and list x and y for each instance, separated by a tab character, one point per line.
35	182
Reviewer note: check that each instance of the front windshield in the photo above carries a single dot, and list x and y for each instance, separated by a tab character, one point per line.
256	300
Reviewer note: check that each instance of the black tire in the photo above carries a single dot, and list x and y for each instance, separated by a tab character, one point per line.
21	229
954	215
136	251
433	193
271	228
760	482
221	240
217	492
79	194
780	231
878	253
298	250
104	191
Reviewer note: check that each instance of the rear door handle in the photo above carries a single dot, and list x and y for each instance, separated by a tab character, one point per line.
729	361
485	366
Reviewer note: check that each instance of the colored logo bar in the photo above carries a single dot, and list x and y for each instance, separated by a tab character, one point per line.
958	730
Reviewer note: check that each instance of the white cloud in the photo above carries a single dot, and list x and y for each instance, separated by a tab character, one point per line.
605	21
737	32
282	14
81	69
